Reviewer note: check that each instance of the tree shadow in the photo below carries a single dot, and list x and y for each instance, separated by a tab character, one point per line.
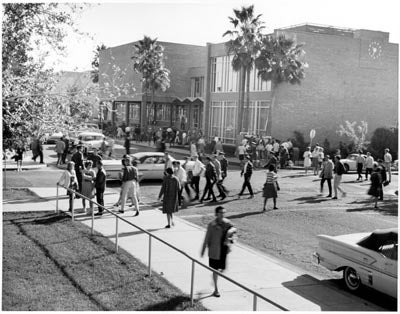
128	234
175	303
310	200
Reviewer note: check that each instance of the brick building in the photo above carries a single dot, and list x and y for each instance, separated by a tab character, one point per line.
352	75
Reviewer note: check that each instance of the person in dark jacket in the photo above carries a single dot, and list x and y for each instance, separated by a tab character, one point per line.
100	185
77	158
211	179
66	150
339	170
376	184
383	177
247	172
170	195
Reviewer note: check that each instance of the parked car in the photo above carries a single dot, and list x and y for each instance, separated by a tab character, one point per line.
91	140
54	137
368	259
149	164
350	162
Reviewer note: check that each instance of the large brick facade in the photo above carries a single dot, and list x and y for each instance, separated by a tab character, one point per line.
352	75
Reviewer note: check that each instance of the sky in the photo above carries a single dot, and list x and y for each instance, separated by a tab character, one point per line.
200	21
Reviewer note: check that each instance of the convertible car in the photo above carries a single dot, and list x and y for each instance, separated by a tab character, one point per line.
350	162
150	165
368	259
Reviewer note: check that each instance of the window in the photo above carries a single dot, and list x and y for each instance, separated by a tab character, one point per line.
134	111
225	79
197	86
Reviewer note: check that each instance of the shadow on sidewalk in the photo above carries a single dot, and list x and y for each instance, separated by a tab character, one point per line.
245	215
311	199
133	233
386	207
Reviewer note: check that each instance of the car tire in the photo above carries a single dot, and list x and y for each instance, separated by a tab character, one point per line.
346	168
351	279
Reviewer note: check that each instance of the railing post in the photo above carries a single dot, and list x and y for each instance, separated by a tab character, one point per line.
149	268
192	284
91	205
72	205
254	302
116	234
57	200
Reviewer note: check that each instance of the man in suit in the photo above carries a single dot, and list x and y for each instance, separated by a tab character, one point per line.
247	172
100	185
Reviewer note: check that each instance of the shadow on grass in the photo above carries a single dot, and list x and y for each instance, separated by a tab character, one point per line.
384	207
175	303
311	200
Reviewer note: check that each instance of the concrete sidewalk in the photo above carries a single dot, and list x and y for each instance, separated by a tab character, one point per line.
284	284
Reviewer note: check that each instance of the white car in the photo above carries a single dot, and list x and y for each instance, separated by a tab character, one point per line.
149	164
91	140
350	162
368	259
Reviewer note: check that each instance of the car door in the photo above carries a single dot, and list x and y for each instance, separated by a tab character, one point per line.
159	167
147	166
385	279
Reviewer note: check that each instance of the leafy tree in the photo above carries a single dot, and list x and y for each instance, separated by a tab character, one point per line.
148	56
356	133
280	61
29	103
95	63
384	138
244	47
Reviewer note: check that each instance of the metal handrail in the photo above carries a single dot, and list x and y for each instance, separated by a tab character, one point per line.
255	294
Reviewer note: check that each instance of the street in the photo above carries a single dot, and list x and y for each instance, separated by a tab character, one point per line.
288	233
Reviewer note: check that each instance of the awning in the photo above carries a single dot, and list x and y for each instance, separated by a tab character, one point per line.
188	99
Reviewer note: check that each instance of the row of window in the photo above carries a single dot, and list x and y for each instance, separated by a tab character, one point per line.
224	114
224	79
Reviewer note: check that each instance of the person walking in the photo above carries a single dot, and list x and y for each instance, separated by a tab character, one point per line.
387	159
37	149
241	152
271	187
198	171
60	147
180	173
193	149
383	177
88	177
170	193
127	144
129	178
314	159
69	180
218	146
307	159
218	239
94	157
327	174
247	172
211	178
339	170
100	185
19	155
217	165
77	158
224	173
360	164
369	165
376	184
66	150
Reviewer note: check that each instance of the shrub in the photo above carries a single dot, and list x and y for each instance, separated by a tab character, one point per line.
384	138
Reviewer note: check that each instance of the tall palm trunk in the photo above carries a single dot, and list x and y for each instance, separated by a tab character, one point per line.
153	105
247	99
273	99
242	82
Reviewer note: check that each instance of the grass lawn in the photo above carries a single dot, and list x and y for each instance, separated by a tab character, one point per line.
52	264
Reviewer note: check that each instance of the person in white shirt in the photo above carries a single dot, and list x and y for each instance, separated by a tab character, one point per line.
198	170
180	173
387	159
369	165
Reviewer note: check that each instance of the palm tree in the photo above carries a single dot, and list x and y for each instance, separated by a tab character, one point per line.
148	59
244	47
280	60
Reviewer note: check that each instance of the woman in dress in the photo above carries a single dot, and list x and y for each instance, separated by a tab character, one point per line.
88	177
271	187
307	159
68	180
376	184
170	190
